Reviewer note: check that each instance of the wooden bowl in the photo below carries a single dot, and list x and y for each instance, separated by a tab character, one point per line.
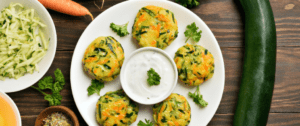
66	111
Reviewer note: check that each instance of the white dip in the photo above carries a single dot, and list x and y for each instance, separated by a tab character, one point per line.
135	75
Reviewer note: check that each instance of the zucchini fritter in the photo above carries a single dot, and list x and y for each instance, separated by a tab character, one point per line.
103	59
116	109
155	27
173	111
195	64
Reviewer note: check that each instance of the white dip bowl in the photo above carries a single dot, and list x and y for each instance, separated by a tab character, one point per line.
134	75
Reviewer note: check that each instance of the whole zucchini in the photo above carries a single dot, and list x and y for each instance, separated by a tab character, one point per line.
258	76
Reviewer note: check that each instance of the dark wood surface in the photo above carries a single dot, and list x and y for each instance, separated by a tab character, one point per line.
225	19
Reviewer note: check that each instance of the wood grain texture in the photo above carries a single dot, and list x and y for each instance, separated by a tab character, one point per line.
275	119
286	95
225	19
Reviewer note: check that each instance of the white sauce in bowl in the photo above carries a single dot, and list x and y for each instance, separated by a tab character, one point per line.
134	75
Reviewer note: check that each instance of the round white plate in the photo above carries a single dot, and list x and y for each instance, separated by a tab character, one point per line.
121	13
13	85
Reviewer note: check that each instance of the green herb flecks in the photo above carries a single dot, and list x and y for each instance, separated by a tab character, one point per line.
120	29
149	11
95	87
191	32
197	98
146	123
153	77
47	83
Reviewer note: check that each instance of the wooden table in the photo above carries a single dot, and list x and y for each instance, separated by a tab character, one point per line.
225	19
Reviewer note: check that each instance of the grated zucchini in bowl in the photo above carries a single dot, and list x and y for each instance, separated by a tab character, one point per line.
22	42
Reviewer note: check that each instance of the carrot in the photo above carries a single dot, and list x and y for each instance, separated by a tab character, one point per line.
90	59
121	116
142	18
105	114
194	69
157	28
153	8
113	69
170	123
115	108
180	114
162	18
121	107
67	7
170	106
103	61
153	43
176	123
95	71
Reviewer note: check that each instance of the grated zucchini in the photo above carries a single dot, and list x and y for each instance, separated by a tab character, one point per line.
22	42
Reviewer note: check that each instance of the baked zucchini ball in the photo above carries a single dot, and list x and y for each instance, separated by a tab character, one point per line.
103	59
195	64
155	27
173	111
116	109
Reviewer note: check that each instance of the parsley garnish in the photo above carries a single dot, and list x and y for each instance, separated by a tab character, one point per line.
120	29
188	3
56	87
191	32
95	87
197	98
153	77
148	123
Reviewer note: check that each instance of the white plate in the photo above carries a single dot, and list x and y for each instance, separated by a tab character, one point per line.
121	13
13	85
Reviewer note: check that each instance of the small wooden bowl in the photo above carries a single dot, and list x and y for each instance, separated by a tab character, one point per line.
66	111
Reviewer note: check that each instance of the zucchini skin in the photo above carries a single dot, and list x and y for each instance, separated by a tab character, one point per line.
258	75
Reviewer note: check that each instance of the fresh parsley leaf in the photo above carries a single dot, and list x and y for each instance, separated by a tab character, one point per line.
191	32
54	99
95	87
153	77
59	77
197	98
188	3
57	87
148	123
47	83
120	29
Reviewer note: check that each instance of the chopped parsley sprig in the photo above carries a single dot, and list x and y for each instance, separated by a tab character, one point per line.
95	87
148	123
120	29
197	98
188	3
153	77
47	83
191	32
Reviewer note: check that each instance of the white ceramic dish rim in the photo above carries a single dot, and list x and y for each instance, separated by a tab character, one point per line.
173	4
37	75
125	85
14	107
